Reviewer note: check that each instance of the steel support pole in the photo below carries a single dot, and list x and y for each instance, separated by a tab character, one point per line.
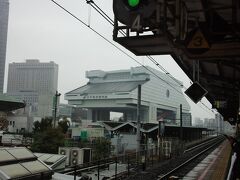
55	108
138	154
181	129
116	168
159	139
138	118
98	170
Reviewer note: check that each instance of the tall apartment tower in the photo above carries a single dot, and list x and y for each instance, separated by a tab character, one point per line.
4	10
34	82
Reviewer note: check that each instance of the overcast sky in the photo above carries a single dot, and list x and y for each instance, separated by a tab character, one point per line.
38	29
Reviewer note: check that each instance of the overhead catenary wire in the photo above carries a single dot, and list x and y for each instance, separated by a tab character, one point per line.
115	45
85	24
92	29
103	14
106	17
90	2
100	11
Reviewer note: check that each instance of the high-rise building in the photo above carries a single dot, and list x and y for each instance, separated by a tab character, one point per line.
4	10
33	76
35	83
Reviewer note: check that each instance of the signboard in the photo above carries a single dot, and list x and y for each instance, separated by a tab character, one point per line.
196	92
83	135
220	104
136	22
12	139
197	42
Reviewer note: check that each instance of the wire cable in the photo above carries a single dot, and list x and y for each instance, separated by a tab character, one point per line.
153	73
100	11
85	24
103	14
106	17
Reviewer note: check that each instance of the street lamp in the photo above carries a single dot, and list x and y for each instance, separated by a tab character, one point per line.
55	107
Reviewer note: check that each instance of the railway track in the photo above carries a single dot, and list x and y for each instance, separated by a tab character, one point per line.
177	166
193	157
181	165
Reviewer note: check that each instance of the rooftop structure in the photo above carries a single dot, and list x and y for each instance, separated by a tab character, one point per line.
123	135
55	161
116	91
20	163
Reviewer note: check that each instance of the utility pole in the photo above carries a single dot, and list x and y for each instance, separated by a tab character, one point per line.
55	107
181	129
138	118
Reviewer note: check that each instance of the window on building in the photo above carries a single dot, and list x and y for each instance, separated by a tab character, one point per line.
167	115
116	116
167	93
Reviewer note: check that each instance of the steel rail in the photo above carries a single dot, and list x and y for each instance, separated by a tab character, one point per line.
201	144
89	167
165	176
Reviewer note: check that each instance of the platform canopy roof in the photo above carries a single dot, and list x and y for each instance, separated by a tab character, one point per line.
201	35
218	65
8	103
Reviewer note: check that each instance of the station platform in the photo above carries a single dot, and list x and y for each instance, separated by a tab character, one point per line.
214	166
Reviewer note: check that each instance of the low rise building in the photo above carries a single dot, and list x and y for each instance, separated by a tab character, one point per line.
20	124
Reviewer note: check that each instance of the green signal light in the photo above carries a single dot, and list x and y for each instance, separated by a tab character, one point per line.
133	3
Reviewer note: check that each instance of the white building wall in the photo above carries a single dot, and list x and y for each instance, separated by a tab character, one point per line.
18	123
152	112
154	93
45	105
124	142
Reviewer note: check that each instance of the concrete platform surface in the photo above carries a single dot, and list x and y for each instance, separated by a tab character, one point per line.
214	166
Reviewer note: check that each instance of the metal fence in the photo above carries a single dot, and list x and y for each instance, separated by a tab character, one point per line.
130	163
